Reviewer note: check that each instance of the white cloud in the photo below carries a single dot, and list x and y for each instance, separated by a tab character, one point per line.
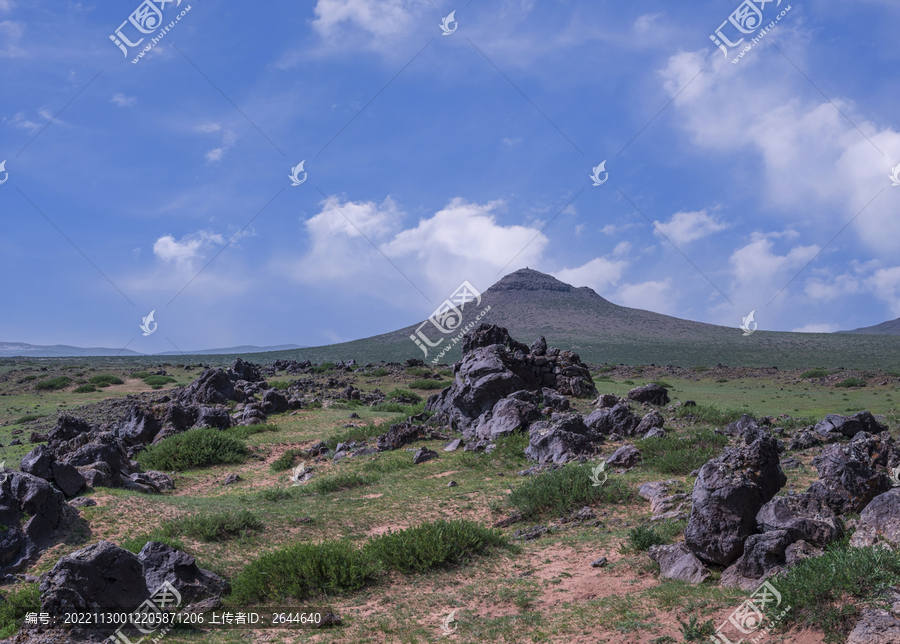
658	296
885	285
645	22
10	33
6	5
685	227
759	273
817	328
215	155
20	121
184	251
599	274
208	127
379	17
123	101
512	143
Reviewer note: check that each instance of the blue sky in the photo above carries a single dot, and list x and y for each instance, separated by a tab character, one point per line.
488	135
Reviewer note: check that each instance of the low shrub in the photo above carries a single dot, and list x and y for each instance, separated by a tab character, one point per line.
420	372
21	601
681	454
208	527
815	373
158	381
141	374
357	433
337	482
84	389
693	630
61	382
403	393
280	384
136	543
105	380
377	373
701	369
846	382
428	384
430	545
397	408
560	491
286	460
642	538
193	449
303	569
663	383
28	418
710	414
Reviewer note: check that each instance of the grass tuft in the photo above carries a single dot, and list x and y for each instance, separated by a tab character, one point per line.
26	599
818	372
428	384
105	380
851	382
53	384
339	482
560	491
209	527
193	449
681	454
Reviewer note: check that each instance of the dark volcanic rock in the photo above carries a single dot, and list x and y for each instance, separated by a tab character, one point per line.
241	370
875	626
38	462
561	439
401	434
763	554
274	402
103	447
139	428
653	394
653	420
68	479
847	481
163	563
728	494
625	456
511	414
67	428
618	419
213	387
424	454
101	574
802	517
850	426
879	523
677	562
216	417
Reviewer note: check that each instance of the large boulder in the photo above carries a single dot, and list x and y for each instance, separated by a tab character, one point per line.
26	494
139	427
563	438
677	562
802	517
850	426
764	554
103	447
68	479
511	414
274	402
241	370
653	394
400	434
102	574
493	366
626	456
728	494
875	626
67	428
653	420
879	523
618	419
847	478
163	563
215	417
213	387
38	462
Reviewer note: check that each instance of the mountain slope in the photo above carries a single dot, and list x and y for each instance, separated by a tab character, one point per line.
531	304
891	327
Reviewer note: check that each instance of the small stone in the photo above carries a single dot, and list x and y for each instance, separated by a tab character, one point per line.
354	415
424	454
329	619
453	445
231	479
452	484
597	563
82	502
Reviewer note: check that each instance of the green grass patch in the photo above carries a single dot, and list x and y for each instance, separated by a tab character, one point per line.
244	432
358	433
141	374
700	369
711	414
818	589
136	543
435	544
338	482
642	538
28	379
28	418
158	381
560	491
818	372
397	408
681	454
377	373
216	526
60	382
193	449
26	599
851	382
428	384
663	383
286	460
419	372
404	393
105	380
280	384
85	389
303	569
694	630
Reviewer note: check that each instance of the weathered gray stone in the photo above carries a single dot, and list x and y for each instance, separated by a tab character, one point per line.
677	562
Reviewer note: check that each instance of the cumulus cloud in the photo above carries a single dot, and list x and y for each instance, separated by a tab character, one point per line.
10	33
685	227
657	296
599	274
123	101
817	328
379	17
183	252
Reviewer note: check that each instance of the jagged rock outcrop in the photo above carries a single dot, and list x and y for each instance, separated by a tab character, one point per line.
563	438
